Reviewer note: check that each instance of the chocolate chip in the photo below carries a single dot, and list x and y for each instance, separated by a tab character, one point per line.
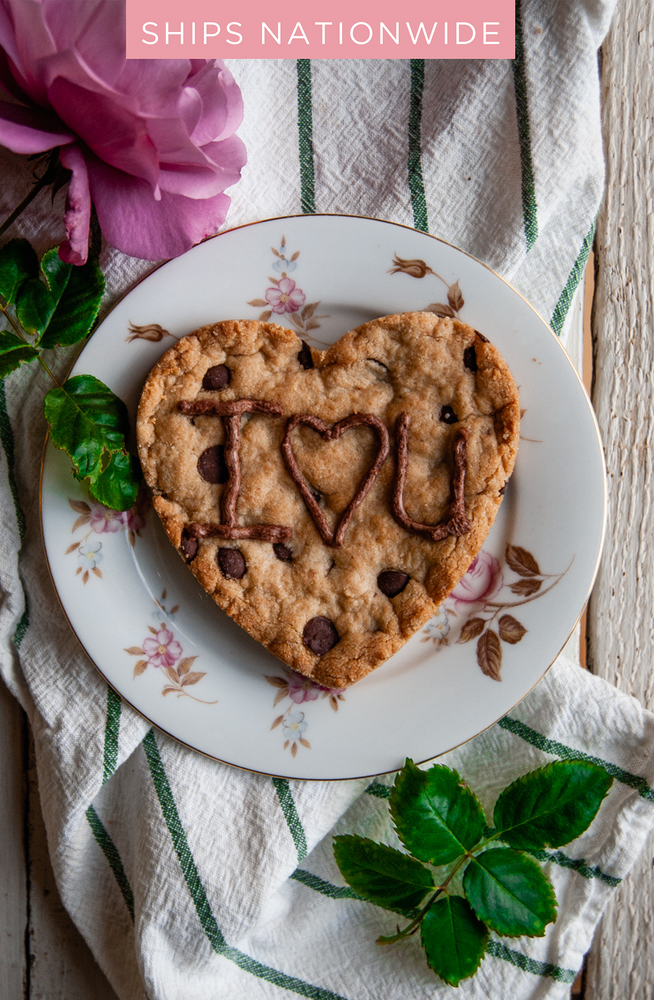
232	563
282	552
212	466
320	635
316	494
189	547
392	582
503	490
216	378
304	357
470	358
483	339
448	416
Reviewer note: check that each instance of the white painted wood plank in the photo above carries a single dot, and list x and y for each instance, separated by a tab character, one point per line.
13	896
61	964
620	620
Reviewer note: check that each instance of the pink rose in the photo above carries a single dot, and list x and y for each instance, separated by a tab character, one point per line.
164	650
481	584
150	142
285	298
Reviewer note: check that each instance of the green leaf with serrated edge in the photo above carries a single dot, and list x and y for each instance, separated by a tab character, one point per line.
436	816
34	306
551	806
77	308
13	352
18	262
86	418
454	939
510	893
118	483
37	300
381	874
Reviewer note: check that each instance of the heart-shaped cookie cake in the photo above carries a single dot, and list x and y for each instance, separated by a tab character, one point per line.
329	501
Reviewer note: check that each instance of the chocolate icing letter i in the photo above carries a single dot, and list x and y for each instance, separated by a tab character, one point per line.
231	414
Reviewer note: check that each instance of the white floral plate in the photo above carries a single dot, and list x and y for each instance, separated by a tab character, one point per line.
169	651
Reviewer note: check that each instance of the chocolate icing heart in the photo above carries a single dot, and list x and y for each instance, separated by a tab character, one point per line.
334	537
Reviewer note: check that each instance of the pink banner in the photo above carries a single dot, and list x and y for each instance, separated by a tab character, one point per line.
321	29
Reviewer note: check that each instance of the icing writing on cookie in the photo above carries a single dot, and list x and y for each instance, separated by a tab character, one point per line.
331	537
456	523
231	414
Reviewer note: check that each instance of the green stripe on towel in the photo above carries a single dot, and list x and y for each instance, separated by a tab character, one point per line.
416	183
199	896
565	300
529	210
113	857
111	733
567	753
579	866
527	964
378	790
291	816
305	127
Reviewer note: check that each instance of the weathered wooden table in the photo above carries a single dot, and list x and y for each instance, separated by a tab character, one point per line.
42	956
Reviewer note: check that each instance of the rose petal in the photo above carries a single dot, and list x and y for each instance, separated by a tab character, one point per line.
24	130
77	218
135	223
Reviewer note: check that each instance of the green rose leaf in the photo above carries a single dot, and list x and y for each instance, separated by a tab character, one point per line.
86	419
436	816
551	806
381	874
18	262
118	483
37	300
78	306
454	939
61	308
13	352
510	893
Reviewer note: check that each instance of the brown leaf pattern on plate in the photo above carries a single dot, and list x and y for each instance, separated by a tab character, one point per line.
152	332
162	650
479	593
489	655
455	297
299	690
526	587
472	628
510	629
417	268
521	561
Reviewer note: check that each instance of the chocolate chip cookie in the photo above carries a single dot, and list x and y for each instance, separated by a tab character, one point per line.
329	501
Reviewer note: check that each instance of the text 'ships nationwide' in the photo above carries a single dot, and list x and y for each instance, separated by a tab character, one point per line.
322	29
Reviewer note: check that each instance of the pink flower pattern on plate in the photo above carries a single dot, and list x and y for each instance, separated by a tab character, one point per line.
286	297
102	519
162	651
482	582
299	689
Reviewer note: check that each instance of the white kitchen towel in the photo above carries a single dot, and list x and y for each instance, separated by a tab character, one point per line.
192	879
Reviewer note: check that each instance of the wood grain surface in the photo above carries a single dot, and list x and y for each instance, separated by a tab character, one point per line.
620	618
